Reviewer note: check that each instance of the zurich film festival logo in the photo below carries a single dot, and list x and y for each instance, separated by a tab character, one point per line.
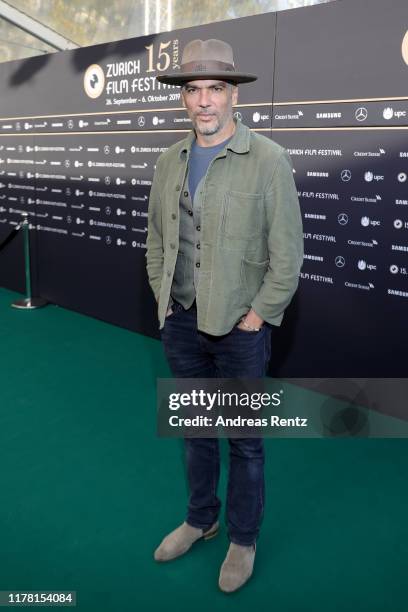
94	81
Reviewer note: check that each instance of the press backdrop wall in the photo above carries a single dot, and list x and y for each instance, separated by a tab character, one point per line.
80	132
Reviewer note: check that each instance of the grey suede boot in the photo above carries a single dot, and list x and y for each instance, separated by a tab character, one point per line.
237	567
180	541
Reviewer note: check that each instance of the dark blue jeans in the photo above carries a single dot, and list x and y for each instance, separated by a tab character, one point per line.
194	354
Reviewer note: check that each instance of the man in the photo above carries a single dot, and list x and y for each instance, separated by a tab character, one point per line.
224	252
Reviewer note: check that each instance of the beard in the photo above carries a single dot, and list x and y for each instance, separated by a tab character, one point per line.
204	129
215	126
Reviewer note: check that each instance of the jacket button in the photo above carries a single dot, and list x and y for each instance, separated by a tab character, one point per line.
173	215
198	228
197	264
190	212
186	194
172	246
178	187
198	245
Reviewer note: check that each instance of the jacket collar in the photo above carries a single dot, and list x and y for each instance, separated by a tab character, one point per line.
239	142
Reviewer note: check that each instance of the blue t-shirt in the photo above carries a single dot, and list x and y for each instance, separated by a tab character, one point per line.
200	158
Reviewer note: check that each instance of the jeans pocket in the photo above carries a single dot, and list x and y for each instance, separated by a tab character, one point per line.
245	331
175	308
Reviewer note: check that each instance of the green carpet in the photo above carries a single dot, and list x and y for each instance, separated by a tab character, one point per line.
88	490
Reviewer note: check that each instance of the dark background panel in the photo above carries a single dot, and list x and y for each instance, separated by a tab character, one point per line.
341	50
14	200
53	84
343	322
98	267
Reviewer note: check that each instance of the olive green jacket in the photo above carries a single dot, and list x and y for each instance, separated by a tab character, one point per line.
251	231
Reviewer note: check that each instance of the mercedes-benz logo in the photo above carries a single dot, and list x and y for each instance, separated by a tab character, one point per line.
141	121
343	219
238	115
340	261
345	175
361	114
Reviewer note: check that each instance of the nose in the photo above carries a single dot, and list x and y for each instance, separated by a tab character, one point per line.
204	99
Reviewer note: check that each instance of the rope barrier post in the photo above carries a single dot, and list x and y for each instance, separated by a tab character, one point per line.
29	303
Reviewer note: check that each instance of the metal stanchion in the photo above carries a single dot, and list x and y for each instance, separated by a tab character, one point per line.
29	302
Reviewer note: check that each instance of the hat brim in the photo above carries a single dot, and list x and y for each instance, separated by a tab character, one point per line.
180	78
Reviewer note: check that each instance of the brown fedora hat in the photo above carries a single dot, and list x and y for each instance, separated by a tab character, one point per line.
206	59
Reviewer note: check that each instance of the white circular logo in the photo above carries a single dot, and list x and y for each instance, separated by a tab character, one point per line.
365	221
340	261
238	115
388	113
345	175
394	269
368	176
397	223
94	81
402	177
155	120
141	121
343	219
361	114
361	264
256	117
404	48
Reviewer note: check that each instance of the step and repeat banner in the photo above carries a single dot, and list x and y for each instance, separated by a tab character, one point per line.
80	132
341	109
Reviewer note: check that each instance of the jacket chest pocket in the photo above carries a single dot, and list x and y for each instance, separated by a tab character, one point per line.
242	215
